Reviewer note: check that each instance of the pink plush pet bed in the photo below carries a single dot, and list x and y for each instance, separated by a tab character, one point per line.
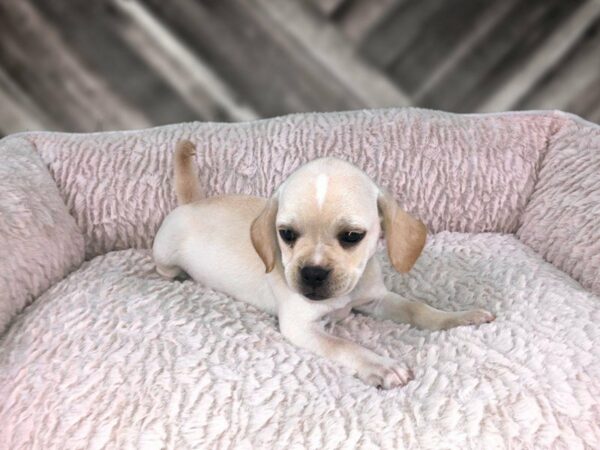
98	351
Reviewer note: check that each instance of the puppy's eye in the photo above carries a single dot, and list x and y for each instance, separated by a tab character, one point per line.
350	238
288	235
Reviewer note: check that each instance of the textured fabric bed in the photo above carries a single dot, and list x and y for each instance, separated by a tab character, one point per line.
39	241
109	355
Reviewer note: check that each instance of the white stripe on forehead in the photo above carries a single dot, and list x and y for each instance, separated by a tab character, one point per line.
322	182
318	256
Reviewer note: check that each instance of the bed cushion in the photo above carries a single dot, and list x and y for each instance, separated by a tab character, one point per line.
39	241
562	219
456	172
114	355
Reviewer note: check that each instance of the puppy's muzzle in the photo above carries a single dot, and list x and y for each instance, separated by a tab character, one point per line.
314	279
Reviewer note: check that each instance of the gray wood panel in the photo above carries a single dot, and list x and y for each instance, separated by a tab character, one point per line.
255	56
448	26
43	64
574	85
115	64
93	32
496	56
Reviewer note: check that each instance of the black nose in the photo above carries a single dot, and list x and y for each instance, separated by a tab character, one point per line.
314	276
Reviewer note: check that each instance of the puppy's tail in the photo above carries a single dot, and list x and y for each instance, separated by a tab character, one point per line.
187	186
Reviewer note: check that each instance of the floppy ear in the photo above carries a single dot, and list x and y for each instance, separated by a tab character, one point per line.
264	235
405	236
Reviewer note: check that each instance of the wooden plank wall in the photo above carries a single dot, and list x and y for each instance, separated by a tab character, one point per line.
115	64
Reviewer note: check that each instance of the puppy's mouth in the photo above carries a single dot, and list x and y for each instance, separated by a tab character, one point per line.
314	296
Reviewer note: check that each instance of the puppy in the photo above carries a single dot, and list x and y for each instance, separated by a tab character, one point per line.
304	254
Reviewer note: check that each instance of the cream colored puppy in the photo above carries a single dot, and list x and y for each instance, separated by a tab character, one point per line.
316	237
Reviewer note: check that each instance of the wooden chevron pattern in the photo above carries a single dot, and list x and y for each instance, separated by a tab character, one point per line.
116	64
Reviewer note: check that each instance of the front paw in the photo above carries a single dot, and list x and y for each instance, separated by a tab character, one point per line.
472	317
384	373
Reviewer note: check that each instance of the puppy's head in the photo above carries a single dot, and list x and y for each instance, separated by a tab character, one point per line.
324	223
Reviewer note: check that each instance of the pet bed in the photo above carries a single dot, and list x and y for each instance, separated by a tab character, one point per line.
98	351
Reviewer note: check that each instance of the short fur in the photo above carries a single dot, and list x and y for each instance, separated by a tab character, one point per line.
264	235
187	187
404	234
232	244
